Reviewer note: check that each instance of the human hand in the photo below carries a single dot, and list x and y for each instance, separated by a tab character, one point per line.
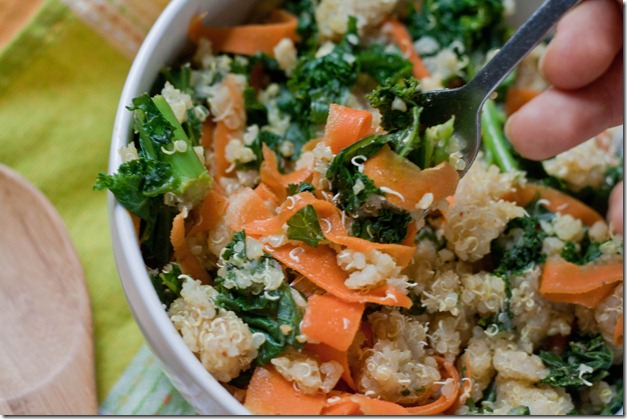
584	64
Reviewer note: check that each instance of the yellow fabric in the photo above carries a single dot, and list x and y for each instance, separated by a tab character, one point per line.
59	88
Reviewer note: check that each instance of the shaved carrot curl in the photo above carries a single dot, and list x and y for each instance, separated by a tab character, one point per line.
406	183
276	181
587	285
406	45
332	227
247	39
190	265
346	126
319	265
269	393
555	201
224	130
332	321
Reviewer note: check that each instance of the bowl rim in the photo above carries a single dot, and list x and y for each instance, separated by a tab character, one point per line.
164	341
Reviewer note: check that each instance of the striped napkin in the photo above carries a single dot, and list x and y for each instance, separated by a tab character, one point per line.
63	64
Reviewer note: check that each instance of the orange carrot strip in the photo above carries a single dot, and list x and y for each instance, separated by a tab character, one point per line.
389	170
224	131
276	181
332	321
406	45
554	201
618	331
319	265
209	212
247	39
326	353
267	195
376	407
206	136
466	386
332	227
244	207
587	285
344	407
270	394
190	265
517	97
346	126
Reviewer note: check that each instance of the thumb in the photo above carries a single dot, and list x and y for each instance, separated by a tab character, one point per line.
615	213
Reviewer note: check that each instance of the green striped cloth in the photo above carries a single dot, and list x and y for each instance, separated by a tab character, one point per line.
60	83
143	389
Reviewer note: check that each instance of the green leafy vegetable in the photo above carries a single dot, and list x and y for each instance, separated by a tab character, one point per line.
354	189
293	188
167	283
255	289
398	103
584	252
167	164
617	401
304	226
519	411
388	226
381	63
586	361
470	27
519	247
315	83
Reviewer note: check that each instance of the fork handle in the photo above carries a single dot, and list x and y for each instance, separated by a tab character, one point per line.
517	47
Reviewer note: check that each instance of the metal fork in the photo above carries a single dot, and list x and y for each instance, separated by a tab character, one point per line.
467	101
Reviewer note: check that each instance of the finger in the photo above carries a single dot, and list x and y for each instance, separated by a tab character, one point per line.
557	120
585	43
616	212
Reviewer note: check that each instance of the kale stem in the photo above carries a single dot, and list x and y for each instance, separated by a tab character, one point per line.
494	140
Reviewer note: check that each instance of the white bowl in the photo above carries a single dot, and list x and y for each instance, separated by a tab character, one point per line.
163	46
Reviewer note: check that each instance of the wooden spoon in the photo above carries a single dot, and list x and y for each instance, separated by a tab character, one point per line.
46	344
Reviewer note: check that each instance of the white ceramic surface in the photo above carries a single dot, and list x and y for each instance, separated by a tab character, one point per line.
163	45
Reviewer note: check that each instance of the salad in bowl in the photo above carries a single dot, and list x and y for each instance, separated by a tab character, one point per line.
312	243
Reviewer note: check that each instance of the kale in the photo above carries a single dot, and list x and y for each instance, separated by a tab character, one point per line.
315	83
519	246
473	26
386	96
272	312
167	283
307	28
617	401
294	188
270	139
265	313
304	226
179	77
586	360
389	225
256	112
519	410
168	164
482	406
382	64
586	252
424	146
344	175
